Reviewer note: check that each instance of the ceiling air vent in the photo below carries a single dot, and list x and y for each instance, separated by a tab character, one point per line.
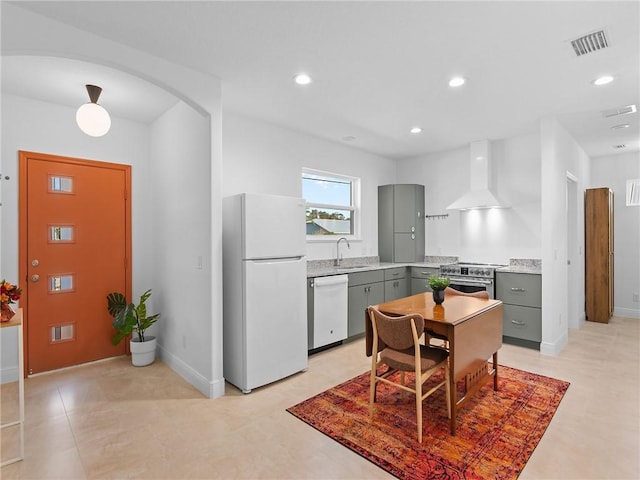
590	43
614	112
621	145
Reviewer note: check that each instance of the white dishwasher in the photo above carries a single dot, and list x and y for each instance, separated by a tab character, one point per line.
329	309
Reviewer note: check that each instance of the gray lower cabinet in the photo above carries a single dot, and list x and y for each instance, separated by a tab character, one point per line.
419	277
521	295
395	283
365	288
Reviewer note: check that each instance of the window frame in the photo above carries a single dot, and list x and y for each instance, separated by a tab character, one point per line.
354	208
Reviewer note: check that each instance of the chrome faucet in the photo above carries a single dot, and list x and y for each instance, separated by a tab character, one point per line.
338	258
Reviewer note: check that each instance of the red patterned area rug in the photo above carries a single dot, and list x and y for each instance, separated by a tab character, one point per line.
496	431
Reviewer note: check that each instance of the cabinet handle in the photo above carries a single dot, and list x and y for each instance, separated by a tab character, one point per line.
517	289
519	323
413	229
413	237
395	274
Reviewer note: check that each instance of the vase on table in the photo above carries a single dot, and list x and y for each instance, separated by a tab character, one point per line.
438	296
6	312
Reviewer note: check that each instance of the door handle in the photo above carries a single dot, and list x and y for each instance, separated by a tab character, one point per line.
35	277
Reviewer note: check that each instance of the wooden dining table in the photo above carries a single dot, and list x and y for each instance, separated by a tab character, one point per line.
473	327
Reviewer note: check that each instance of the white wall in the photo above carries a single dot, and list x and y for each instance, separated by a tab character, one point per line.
613	171
490	236
181	215
560	154
43	127
263	158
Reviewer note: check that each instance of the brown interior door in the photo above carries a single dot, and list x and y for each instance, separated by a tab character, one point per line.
75	246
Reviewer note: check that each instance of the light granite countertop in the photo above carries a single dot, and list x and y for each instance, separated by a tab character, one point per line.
323	268
523	265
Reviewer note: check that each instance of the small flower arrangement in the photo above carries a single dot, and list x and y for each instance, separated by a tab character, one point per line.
438	283
9	293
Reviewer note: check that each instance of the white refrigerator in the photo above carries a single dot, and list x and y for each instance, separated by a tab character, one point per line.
264	288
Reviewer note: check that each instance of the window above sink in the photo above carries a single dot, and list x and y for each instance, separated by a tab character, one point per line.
333	205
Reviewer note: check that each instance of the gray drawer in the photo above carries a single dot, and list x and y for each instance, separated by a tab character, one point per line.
519	288
370	276
395	273
424	272
522	322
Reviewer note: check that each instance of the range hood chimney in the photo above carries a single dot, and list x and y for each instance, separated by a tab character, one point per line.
480	194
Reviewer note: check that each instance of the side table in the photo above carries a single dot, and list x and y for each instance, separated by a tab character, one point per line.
16	322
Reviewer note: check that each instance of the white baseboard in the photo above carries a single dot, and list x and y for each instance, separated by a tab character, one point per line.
209	388
626	312
554	348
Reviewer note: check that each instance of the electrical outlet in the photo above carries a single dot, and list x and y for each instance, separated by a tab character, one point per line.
636	297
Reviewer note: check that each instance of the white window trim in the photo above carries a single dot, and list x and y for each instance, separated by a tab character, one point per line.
356	207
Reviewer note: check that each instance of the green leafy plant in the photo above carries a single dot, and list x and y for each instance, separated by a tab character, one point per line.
437	283
128	317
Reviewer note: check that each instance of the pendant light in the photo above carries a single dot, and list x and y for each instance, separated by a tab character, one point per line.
93	119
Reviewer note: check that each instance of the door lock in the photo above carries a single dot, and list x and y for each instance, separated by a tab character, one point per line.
35	277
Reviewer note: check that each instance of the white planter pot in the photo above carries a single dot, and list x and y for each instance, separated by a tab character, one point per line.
143	353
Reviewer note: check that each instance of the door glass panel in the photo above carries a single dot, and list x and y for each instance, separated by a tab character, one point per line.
60	184
60	283
60	233
62	333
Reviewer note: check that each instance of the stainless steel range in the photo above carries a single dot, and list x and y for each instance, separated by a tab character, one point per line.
471	277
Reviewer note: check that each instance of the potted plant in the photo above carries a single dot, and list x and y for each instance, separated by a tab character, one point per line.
438	284
129	318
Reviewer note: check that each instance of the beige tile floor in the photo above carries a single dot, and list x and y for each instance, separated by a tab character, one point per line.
110	420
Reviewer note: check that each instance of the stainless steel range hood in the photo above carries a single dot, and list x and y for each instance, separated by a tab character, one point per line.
479	194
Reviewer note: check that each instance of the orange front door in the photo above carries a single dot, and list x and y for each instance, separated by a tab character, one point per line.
74	249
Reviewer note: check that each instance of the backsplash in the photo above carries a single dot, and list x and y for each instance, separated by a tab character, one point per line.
440	260
324	264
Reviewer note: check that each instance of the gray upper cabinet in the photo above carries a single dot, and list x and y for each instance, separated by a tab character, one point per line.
401	223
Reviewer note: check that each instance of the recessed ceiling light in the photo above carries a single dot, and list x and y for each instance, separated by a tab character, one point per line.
603	80
302	79
456	82
621	126
416	130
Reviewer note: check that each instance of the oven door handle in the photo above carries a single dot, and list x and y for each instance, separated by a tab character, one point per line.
470	283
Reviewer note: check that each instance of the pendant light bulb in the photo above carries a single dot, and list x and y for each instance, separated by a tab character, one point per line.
92	118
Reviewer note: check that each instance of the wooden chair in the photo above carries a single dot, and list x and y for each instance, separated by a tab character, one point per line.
429	334
403	352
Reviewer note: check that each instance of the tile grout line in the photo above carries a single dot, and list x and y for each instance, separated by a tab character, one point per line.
73	435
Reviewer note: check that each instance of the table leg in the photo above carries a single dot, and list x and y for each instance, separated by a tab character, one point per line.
495	373
453	402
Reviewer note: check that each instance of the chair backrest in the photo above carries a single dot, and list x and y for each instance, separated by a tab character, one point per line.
396	332
481	294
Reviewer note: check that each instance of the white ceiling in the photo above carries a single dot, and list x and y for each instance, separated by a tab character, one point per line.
379	68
